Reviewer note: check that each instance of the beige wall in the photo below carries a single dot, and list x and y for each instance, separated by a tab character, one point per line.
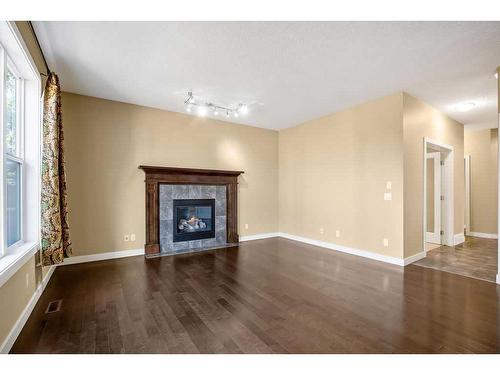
482	147
105	143
333	174
15	295
421	120
15	291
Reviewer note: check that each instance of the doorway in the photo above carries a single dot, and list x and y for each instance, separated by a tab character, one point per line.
433	199
438	195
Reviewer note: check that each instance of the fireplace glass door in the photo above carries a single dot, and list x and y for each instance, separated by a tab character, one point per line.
194	219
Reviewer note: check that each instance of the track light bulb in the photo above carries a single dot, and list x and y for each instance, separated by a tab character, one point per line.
202	110
243	109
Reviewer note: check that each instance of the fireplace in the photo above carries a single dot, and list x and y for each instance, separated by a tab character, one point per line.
166	184
194	219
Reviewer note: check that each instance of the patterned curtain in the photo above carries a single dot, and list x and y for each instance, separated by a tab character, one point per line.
56	243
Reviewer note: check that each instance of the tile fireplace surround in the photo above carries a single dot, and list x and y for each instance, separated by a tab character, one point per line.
167	195
164	184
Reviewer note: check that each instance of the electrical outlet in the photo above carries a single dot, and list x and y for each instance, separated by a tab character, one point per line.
126	238
27	280
388	185
132	237
386	242
337	233
246	226
322	230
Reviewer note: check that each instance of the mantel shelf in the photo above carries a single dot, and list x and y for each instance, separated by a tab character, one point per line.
191	171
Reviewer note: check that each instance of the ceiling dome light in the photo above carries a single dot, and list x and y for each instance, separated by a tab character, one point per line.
465	107
243	109
202	110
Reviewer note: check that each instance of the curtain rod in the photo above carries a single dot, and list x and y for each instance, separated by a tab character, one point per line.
40	48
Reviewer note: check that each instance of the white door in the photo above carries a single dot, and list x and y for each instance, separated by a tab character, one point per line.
433	197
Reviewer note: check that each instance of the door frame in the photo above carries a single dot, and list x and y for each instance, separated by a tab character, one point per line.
447	190
435	236
467	194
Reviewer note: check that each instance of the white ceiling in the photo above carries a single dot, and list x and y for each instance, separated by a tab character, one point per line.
288	72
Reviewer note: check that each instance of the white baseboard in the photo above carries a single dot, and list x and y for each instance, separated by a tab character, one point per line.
23	318
483	235
260	236
414	258
101	256
458	239
345	249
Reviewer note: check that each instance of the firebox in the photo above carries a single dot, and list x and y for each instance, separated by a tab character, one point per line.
193	219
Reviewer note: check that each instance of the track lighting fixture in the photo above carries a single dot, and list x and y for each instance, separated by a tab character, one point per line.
203	107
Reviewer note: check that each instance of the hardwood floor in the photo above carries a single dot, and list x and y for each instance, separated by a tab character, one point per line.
476	257
266	296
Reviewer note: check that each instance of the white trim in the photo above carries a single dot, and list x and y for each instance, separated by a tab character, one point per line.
15	259
438	143
23	318
345	249
458	239
102	256
414	258
435	236
483	235
259	236
467	193
498	278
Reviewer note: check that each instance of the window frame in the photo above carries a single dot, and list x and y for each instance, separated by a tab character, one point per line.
5	65
29	141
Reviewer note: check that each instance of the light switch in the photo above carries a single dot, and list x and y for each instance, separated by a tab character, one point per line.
387	196
386	242
337	233
388	185
132	237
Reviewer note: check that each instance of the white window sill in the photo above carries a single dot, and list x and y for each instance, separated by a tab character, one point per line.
16	258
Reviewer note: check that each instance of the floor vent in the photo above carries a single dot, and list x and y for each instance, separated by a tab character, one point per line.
54	306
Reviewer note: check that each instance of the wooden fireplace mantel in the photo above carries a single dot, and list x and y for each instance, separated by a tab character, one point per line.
174	175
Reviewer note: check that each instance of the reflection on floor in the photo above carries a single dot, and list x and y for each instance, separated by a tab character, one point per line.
476	257
431	246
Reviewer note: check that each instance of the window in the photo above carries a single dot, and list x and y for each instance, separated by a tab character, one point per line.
20	124
12	161
12	155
